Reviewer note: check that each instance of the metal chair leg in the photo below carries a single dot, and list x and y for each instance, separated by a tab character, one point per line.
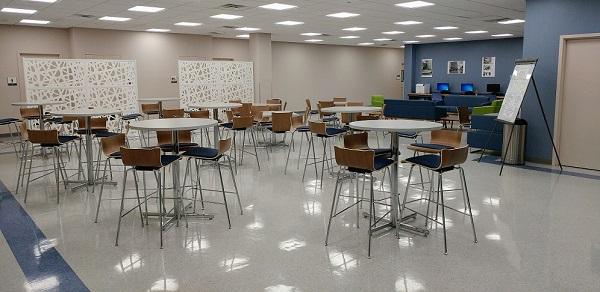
307	156
464	180
337	181
224	196
56	173
137	193
121	208
441	187
28	173
402	206
160	206
235	185
101	192
256	152
372	215
324	159
288	154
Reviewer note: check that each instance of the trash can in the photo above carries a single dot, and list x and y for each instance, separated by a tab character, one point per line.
515	152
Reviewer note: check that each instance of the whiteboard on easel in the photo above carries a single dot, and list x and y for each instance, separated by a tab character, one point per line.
519	82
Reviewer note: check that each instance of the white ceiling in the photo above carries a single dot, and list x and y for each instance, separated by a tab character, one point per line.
376	15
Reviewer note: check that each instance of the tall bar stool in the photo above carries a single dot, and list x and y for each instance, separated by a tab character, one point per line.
298	126
30	114
308	109
201	114
320	130
243	124
173	113
326	117
111	148
440	139
356	161
447	160
49	139
146	160
215	156
281	123
165	141
11	123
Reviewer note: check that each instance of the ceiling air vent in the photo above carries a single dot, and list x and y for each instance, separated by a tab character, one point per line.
85	15
229	26
233	7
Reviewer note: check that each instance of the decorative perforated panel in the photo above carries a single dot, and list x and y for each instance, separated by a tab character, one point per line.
201	81
107	84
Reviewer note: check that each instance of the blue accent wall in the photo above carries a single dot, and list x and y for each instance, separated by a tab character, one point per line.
546	21
506	52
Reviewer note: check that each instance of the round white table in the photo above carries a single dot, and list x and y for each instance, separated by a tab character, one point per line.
87	113
158	100
215	106
394	127
40	105
269	114
352	110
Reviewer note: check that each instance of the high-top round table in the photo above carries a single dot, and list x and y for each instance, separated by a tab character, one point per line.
215	106
87	114
158	100
40	105
174	126
269	114
394	127
352	110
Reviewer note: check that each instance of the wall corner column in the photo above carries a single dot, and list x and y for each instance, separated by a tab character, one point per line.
260	54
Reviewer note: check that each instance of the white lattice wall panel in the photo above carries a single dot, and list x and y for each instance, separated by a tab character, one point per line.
201	81
107	84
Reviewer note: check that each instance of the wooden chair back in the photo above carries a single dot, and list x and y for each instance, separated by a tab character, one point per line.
24	133
43	137
229	115
201	114
282	122
446	137
246	109
112	144
355	158
235	101
367	118
224	145
355	103
274	101
150	108
318	128
324	104
97	123
357	141
173	113
141	157
242	122
463	115
453	157
339	99
165	137
298	121
29	112
308	106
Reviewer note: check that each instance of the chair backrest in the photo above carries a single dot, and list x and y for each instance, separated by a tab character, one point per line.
355	103
29	112
321	104
164	137
453	157
274	101
282	122
97	123
173	113
235	101
224	145
257	112
24	133
229	115
298	121
357	141
339	99
149	108
242	122
202	114
308	106
141	157
43	137
463	115
367	118
317	128
112	144
246	109
446	137
355	158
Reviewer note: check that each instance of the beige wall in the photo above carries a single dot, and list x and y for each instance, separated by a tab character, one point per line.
299	70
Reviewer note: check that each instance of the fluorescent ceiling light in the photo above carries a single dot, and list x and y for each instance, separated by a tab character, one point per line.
18	10
45	1
183	23
503	35
408	22
415	4
242	36
277	6
511	21
393	32
158	30
33	21
289	22
354	28
343	14
445	27
452	39
476	31
248	28
149	9
382	40
226	16
349	37
402	47
313	40
423	36
311	34
411	42
114	18
365	44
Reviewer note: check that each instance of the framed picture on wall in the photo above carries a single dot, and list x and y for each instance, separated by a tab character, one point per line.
456	67
427	68
488	67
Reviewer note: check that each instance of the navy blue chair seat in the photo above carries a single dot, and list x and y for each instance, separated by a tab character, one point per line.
94	131
228	125
105	134
203	153
431	146
8	121
182	146
330	119
165	160
270	128
332	132
130	117
408	135
61	141
303	129
379	163
430	161
385	152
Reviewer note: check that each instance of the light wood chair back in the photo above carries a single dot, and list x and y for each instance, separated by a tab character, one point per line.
24	133
318	128
453	157
29	112
246	109
446	137
257	111
49	137
355	103
357	141
463	115
165	137
321	104
355	158
339	99
308	105
298	121
173	113
282	122
97	123
201	114
229	115
367	118
242	122
112	144
235	101
150	108
141	157
224	145
274	101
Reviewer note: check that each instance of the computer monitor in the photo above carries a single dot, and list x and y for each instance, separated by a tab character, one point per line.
467	87
493	88
443	87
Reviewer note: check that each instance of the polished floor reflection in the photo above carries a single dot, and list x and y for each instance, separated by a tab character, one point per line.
538	231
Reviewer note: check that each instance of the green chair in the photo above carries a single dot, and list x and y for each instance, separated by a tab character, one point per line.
377	100
488	109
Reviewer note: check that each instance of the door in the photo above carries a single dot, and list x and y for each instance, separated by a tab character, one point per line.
22	93
579	107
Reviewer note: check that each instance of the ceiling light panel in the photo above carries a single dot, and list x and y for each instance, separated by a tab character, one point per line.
43	1
158	30
408	22
247	28
354	28
18	10
424	36
511	21
277	6
365	44
243	36
226	16
34	21
184	23
411	42
289	22
382	40
350	37
452	39
311	34
115	18
503	35
415	4
343	15
313	40
445	27
149	9
393	32
476	31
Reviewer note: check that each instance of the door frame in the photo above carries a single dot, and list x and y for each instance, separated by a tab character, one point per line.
560	81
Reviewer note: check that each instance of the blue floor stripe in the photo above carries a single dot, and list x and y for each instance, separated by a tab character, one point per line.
566	171
42	265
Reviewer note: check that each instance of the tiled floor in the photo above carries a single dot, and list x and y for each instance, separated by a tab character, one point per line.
538	231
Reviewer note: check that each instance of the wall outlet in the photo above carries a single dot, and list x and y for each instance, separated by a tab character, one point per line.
173	79
11	81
